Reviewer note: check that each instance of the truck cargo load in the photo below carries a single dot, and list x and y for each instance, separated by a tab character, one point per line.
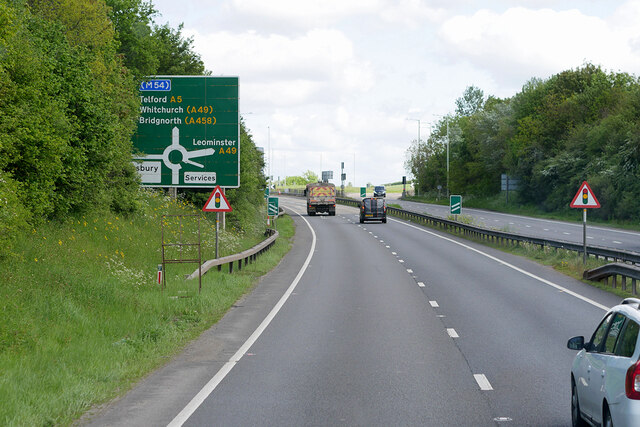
321	197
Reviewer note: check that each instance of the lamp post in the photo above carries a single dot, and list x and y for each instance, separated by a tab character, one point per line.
417	120
446	118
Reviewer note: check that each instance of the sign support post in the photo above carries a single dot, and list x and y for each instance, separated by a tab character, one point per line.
584	199
584	237
217	203
217	230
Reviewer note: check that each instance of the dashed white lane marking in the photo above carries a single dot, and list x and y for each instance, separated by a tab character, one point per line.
506	264
434	304
410	271
421	284
387	246
617	243
452	333
483	382
565	233
394	253
401	260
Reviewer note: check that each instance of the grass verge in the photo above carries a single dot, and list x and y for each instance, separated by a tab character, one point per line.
83	317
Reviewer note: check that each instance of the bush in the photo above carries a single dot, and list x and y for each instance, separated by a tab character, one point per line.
13	215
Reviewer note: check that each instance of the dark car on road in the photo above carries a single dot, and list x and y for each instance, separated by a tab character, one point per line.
379	191
373	209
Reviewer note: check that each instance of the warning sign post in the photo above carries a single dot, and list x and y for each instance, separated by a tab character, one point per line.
217	203
584	199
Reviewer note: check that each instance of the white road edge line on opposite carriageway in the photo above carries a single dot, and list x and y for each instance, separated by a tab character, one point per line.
195	403
506	264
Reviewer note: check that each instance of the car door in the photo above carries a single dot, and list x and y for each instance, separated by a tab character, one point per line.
619	363
599	361
586	372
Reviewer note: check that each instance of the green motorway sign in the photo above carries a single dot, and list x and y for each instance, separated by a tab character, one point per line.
455	205
188	132
272	206
363	192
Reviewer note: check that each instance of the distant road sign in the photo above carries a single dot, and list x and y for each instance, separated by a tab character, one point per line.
455	205
272	206
585	198
363	192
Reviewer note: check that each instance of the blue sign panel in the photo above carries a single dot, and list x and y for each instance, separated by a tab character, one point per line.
156	85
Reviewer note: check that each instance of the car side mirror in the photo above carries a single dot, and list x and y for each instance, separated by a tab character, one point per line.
576	343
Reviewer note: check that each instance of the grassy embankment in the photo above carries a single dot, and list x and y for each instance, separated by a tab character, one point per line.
82	314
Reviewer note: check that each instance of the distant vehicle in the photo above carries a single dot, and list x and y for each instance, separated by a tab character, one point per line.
379	191
321	197
605	376
373	209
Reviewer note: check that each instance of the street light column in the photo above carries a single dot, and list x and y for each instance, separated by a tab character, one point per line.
448	193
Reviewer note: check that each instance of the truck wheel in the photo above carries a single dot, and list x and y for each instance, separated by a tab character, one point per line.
384	220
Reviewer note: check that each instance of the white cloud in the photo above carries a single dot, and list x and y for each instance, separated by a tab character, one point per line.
335	80
318	60
522	43
308	13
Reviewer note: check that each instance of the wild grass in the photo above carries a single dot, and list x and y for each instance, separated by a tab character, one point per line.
83	316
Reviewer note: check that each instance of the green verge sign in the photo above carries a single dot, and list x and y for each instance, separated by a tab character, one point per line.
455	204
188	132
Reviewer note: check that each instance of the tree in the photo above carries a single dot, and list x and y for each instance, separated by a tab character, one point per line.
310	177
133	22
470	102
175	54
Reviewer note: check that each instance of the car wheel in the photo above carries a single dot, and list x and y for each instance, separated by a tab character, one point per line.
606	419
576	417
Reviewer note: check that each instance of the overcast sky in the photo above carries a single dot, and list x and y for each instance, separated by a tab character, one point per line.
331	81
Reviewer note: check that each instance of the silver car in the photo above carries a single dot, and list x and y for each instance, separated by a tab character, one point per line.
605	376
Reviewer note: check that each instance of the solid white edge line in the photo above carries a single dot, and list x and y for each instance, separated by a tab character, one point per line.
193	405
483	382
506	264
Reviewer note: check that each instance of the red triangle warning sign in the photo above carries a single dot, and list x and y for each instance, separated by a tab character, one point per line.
217	202
585	198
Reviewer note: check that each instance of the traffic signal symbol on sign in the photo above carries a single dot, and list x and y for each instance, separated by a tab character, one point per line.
217	202
585	198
